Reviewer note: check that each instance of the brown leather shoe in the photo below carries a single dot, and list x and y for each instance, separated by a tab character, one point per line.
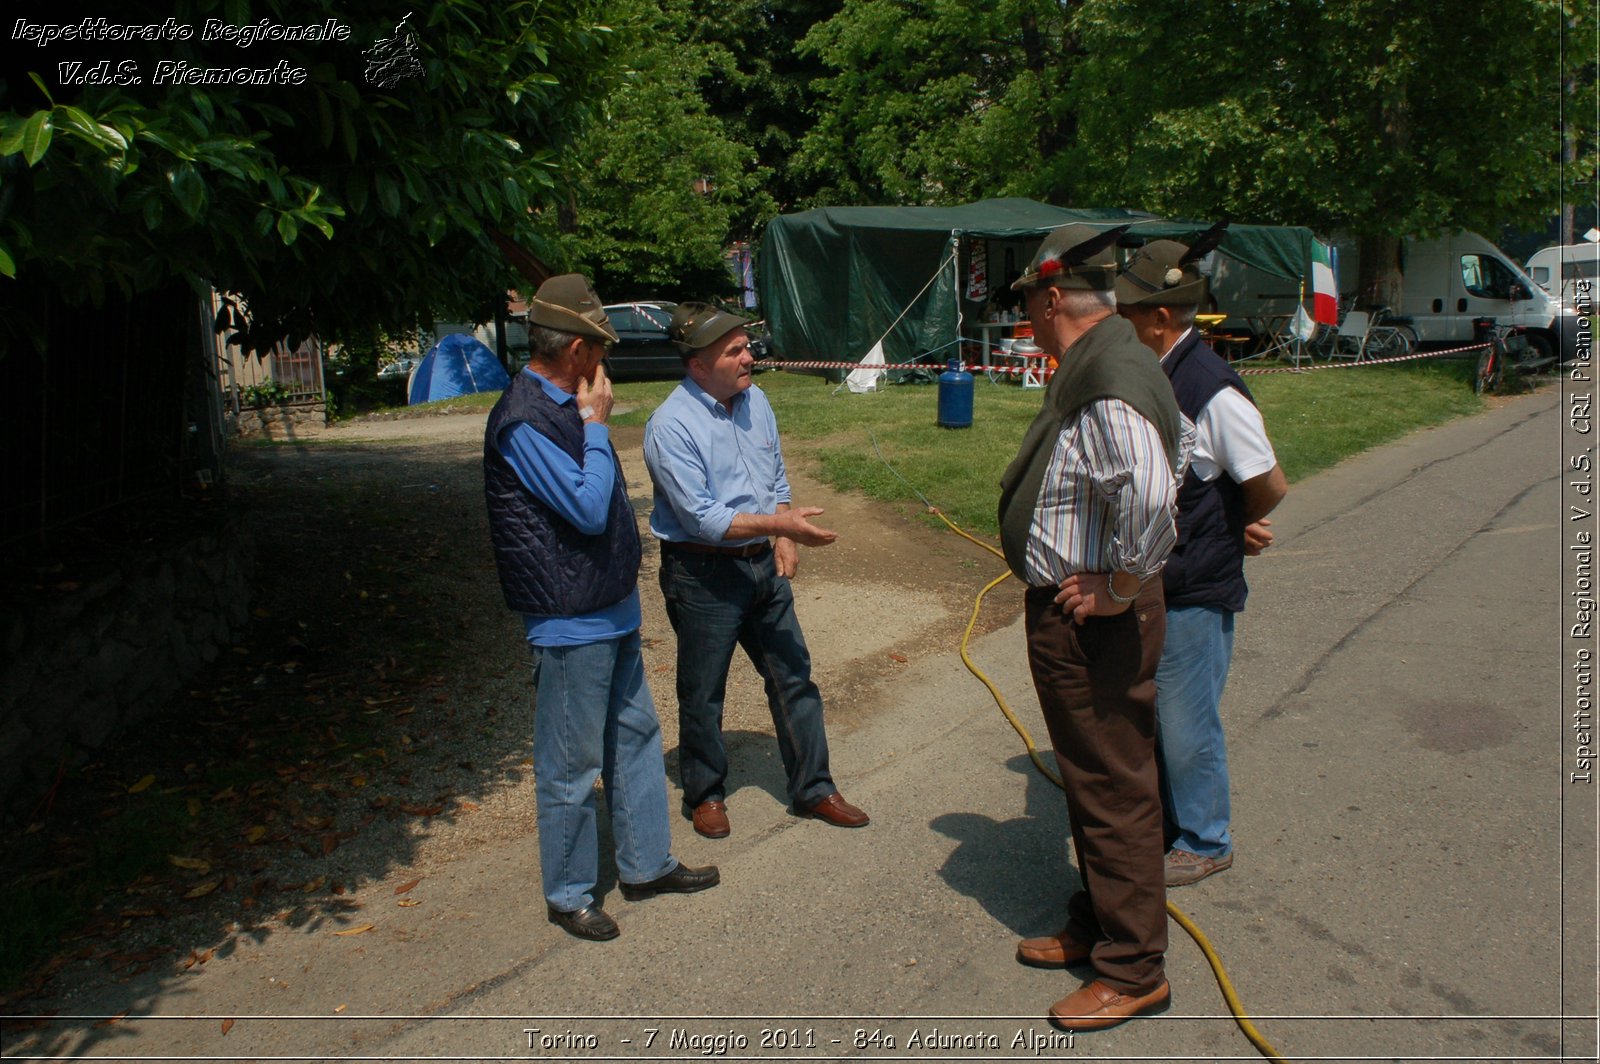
1052	951
838	812
711	819
1096	1006
1184	867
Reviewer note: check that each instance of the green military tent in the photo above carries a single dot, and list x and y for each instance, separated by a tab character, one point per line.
835	281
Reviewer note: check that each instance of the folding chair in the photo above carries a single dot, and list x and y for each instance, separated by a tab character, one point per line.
1351	340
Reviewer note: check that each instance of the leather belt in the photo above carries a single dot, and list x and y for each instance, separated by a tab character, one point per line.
749	550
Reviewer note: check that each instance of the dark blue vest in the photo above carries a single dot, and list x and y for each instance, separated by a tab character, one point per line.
548	567
1206	567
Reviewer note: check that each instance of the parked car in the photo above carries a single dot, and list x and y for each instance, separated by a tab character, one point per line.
760	342
643	351
400	367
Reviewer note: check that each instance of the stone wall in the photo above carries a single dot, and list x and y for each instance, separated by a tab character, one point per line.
85	661
284	421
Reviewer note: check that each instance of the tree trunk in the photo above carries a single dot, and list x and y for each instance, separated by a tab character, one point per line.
1568	155
1053	138
1380	284
500	322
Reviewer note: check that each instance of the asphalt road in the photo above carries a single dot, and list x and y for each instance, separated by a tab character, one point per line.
1415	877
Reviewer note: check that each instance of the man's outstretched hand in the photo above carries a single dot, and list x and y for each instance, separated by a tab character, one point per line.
796	525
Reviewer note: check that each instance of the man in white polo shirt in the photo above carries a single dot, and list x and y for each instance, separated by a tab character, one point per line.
1234	480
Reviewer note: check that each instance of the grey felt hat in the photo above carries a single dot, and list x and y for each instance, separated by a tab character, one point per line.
569	304
1166	273
1075	256
696	325
1157	275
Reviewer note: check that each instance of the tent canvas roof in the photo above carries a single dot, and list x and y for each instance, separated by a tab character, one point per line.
834	279
457	365
993	217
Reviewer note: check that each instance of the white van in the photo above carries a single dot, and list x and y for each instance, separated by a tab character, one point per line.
1452	279
1449	280
1559	269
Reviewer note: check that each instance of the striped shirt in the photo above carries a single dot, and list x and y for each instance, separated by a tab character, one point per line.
1109	498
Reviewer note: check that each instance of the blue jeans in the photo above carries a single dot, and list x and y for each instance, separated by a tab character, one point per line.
716	602
1194	758
594	718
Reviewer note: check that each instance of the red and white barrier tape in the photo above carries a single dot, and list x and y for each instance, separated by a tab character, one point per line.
978	368
1253	372
1018	370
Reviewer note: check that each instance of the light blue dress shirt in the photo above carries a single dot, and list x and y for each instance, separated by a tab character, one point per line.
709	465
581	495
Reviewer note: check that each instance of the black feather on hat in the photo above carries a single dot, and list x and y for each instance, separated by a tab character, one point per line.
1074	256
1205	243
1167	273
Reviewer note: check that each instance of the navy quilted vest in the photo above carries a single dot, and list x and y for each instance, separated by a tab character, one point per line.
547	567
1206	567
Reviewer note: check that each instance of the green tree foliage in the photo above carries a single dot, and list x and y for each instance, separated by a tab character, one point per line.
655	187
763	90
940	102
1380	117
336	202
1376	115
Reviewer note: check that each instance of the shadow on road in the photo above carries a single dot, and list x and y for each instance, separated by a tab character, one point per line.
378	699
1019	869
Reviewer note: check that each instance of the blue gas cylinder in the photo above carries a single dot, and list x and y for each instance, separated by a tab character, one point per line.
955	397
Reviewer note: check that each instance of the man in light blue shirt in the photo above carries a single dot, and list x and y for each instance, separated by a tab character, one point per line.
720	492
567	550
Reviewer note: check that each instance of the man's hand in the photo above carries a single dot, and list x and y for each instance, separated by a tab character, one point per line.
786	555
1257	538
1084	595
596	396
794	525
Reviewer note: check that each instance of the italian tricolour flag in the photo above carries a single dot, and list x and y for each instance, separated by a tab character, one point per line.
1324	291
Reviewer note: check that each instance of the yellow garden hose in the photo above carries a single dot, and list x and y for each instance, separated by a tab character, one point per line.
1228	993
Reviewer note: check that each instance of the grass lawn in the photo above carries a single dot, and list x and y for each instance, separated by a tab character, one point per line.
1315	419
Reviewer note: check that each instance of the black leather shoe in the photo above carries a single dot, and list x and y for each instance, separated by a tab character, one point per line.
591	923
681	880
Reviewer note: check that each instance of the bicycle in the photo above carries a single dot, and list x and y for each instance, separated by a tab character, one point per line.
1367	335
1323	344
1391	335
1503	342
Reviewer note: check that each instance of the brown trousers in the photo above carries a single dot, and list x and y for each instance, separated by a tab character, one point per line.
1096	685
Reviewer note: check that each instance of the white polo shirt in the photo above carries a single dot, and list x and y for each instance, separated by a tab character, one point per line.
1229	435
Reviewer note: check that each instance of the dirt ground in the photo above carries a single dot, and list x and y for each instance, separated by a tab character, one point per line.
377	717
891	589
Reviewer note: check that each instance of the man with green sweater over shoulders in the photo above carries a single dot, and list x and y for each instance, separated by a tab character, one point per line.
1086	520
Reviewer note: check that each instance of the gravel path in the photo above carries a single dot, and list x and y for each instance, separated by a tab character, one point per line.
376	721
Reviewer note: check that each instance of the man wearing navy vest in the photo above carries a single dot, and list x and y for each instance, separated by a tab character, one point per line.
1233	482
567	548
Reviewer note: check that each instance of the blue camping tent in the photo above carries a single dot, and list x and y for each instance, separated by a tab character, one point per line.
456	365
